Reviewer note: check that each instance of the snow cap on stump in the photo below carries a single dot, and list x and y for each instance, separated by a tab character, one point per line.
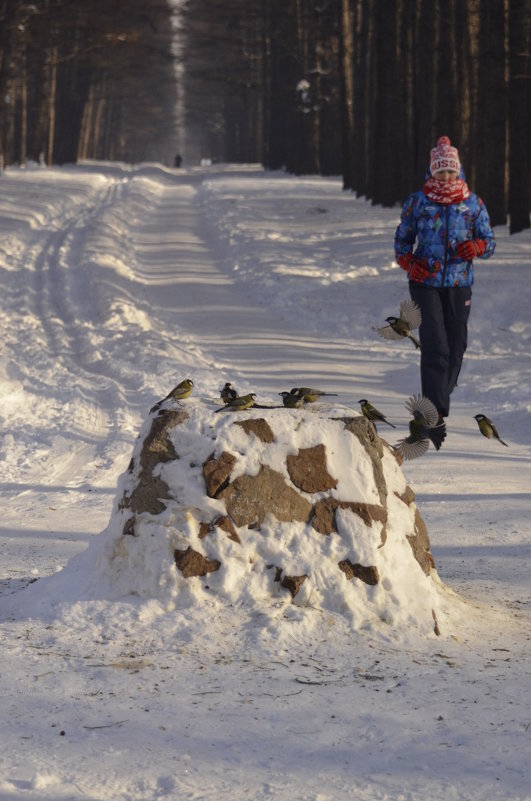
261	509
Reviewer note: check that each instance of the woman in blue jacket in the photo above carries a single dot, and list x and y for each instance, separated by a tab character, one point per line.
443	228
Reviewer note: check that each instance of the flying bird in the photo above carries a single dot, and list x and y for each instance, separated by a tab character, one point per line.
402	326
228	393
310	395
239	404
487	428
423	429
373	414
182	390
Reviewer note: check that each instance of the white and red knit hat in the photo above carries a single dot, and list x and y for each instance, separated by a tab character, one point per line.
444	156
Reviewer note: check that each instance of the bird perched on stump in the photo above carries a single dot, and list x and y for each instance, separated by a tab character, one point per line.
373	414
182	390
239	404
228	393
309	395
423	429
402	326
488	429
291	400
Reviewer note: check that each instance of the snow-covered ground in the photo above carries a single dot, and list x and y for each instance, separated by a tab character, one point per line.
118	281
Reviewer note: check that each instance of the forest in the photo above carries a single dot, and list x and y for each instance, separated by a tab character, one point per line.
86	80
355	88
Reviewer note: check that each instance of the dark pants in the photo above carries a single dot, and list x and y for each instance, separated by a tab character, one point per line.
443	337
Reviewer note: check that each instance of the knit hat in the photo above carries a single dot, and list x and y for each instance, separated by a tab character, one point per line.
444	156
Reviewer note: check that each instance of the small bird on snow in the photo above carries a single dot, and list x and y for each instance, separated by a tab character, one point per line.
228	393
487	428
182	390
309	395
372	414
239	404
401	327
291	400
423	429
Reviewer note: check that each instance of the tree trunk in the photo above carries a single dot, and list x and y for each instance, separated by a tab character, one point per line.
387	139
425	86
23	141
363	83
346	51
489	140
51	104
519	108
87	121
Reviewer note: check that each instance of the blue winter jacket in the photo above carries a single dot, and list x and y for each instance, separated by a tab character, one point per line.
438	229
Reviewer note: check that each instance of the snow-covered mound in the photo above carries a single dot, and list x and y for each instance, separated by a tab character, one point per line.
260	509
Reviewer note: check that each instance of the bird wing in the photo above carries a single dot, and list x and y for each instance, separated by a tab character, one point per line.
237	404
387	332
419	403
314	394
244	401
495	432
377	415
410	312
411	449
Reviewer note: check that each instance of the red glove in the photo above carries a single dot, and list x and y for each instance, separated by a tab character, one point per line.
471	248
417	269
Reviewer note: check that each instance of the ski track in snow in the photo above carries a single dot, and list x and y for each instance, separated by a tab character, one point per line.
118	282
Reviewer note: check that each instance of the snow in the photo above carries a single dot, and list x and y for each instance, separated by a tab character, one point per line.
117	282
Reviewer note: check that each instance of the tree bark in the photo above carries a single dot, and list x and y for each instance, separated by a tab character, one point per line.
346	51
519	110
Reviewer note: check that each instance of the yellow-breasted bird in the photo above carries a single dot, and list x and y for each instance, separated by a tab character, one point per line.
182	390
291	400
310	395
239	404
228	393
373	414
423	429
487	428
401	327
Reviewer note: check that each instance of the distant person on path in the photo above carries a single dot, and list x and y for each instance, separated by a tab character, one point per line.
451	228
178	160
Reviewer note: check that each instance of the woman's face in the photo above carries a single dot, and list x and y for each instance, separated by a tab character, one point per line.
446	175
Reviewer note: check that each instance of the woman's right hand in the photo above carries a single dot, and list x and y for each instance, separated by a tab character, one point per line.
416	269
419	270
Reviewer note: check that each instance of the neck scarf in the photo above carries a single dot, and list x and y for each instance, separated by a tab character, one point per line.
446	192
